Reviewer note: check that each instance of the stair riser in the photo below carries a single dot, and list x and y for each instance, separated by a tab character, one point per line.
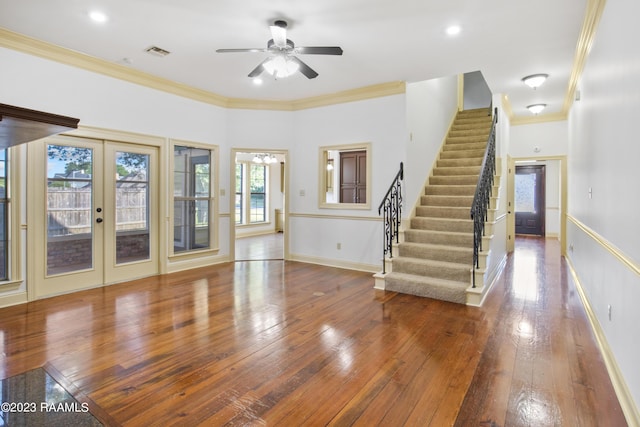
464	170
450	190
472	139
453	180
425	290
461	274
462	154
442	212
465	146
462	161
426	236
439	254
469	132
457	226
455	201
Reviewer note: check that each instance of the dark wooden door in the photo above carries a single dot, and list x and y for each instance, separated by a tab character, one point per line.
530	199
353	177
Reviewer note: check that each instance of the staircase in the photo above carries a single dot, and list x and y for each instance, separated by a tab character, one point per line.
434	258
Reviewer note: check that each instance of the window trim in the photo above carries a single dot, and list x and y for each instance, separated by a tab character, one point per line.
246	191
14	229
214	197
322	176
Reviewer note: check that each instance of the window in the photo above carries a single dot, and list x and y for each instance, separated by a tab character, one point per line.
252	181
192	199
4	217
344	176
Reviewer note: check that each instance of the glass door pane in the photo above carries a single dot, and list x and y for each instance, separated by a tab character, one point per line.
132	206
525	192
69	212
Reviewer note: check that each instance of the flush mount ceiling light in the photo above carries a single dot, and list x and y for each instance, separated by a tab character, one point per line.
535	80
536	108
453	30
98	16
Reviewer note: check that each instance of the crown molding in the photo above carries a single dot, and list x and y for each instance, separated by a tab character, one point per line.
590	23
351	95
592	17
35	47
539	118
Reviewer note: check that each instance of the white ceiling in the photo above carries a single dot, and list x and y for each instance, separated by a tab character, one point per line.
383	41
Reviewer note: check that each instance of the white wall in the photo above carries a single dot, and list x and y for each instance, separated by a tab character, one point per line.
539	140
314	232
476	91
603	155
431	108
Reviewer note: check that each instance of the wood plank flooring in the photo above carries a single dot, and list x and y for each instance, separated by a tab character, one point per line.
260	248
287	344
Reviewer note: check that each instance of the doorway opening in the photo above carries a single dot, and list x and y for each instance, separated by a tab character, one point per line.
260	205
529	200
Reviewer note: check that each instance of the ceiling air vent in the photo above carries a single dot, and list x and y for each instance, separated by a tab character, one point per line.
156	51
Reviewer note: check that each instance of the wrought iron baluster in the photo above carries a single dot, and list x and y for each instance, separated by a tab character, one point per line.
391	210
482	197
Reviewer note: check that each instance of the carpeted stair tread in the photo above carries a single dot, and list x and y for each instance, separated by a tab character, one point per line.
456	201
452	238
457	170
455	254
450	190
435	257
453	180
465	146
432	268
462	154
461	161
443	212
442	224
429	287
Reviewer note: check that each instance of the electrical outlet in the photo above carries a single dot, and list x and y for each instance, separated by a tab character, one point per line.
571	247
302	193
609	311
339	246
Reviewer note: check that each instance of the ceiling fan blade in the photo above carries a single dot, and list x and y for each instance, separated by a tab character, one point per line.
279	34
304	68
241	50
259	69
319	50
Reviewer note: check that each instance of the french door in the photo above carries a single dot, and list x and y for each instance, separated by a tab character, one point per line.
95	220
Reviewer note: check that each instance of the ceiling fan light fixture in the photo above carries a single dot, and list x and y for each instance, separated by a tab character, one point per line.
281	66
535	80
536	108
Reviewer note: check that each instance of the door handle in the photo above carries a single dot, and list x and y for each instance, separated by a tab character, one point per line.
98	220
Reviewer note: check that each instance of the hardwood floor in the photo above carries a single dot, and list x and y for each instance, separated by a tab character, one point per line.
286	344
260	248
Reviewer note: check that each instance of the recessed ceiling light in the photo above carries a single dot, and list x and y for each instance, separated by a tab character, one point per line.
98	16
453	30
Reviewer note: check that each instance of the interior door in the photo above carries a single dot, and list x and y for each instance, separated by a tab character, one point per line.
530	199
353	177
94	219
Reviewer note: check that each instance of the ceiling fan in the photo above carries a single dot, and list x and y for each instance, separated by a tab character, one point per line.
282	61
